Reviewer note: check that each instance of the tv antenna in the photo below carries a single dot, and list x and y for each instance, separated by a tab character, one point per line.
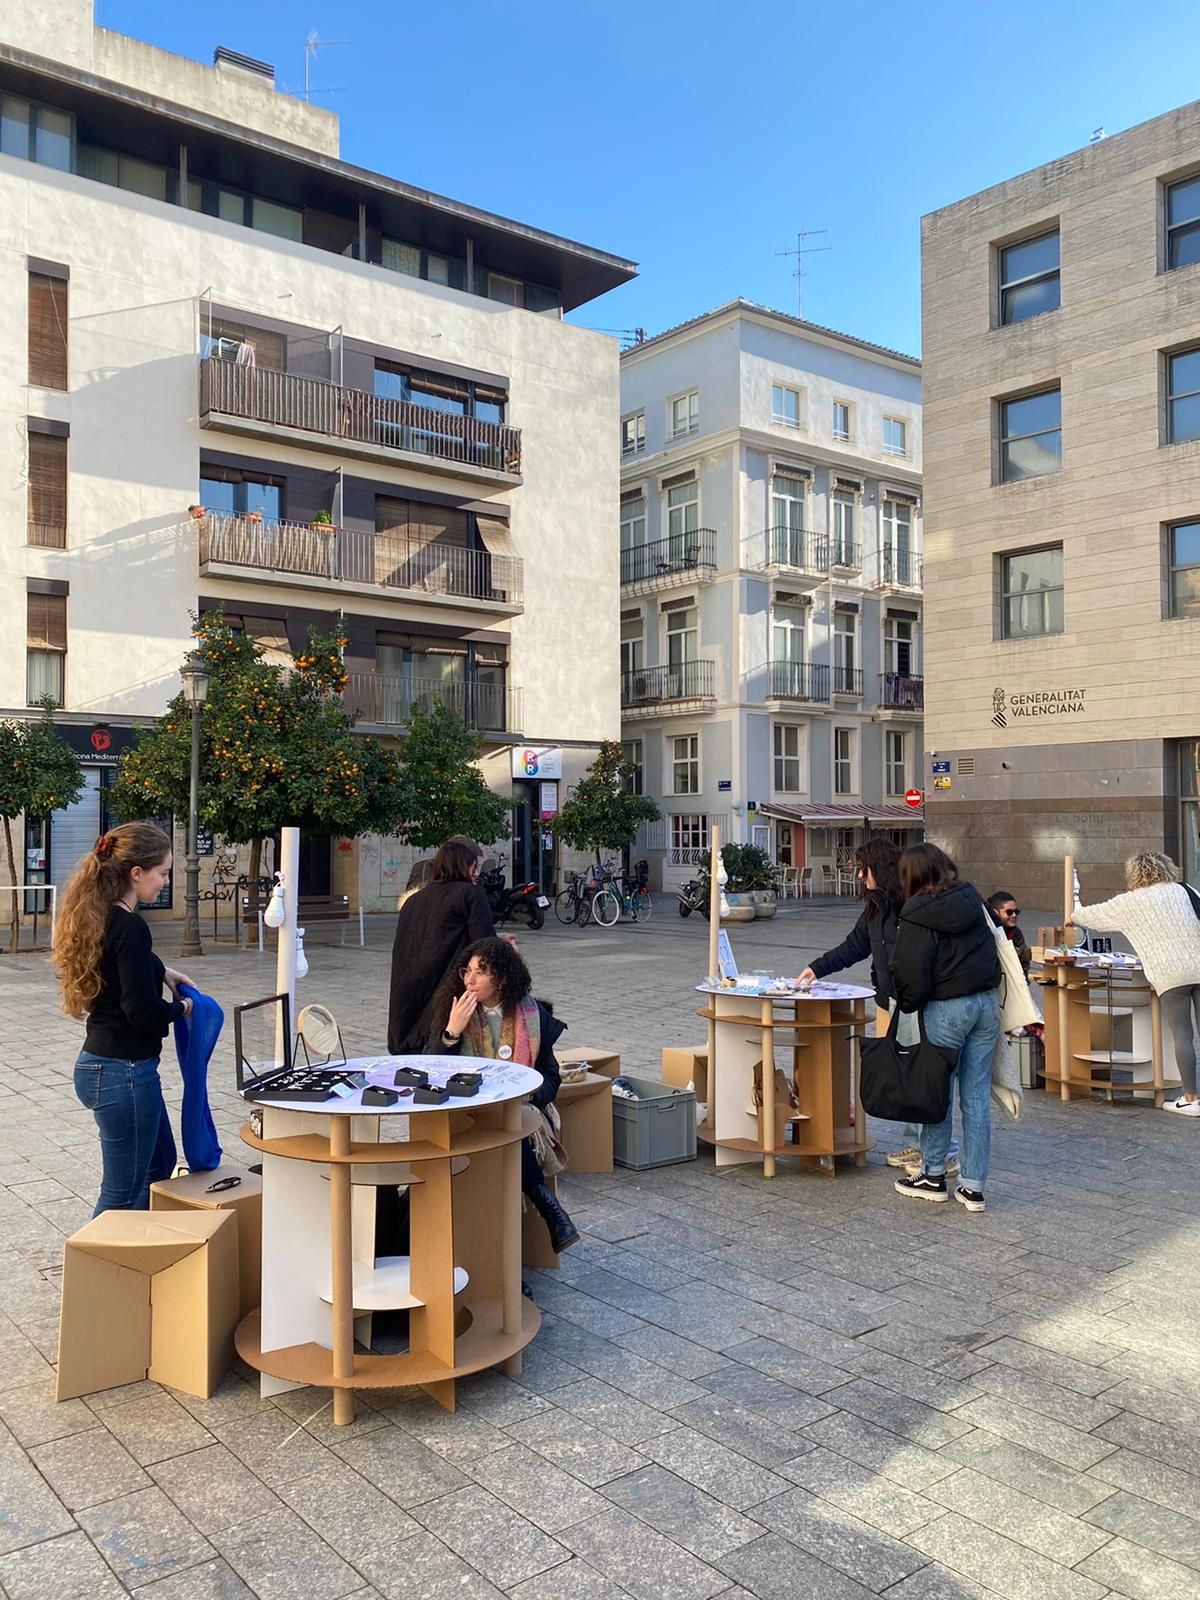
799	253
311	45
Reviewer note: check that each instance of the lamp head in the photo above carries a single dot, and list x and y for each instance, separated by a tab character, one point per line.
194	677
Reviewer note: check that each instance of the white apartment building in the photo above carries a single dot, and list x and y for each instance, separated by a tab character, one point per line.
368	388
771	588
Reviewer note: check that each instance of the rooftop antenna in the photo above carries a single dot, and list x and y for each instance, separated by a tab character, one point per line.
1097	135
799	253
311	45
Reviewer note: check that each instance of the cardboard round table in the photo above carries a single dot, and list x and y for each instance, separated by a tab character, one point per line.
461	1282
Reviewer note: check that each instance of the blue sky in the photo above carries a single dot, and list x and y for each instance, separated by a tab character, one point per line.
697	138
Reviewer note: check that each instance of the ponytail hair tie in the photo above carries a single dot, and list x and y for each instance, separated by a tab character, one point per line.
104	846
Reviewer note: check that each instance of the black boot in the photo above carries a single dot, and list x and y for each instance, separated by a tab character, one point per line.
563	1232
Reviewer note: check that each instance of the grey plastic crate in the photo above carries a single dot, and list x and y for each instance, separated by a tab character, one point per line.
655	1130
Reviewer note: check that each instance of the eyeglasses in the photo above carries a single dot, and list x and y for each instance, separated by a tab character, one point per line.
1012	911
473	972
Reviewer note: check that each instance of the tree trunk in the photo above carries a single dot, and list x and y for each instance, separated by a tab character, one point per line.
15	915
255	873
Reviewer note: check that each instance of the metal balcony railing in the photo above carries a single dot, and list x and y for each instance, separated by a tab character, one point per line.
799	680
901	569
682	553
844	556
798	549
392	560
847	680
388	701
290	400
901	691
648	686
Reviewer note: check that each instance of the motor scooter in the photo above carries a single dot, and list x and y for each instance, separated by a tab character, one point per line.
508	905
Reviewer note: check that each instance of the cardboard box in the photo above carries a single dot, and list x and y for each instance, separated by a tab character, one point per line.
188	1193
604	1062
585	1110
149	1295
687	1069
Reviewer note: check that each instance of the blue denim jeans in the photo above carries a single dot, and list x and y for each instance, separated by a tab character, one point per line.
969	1024
137	1147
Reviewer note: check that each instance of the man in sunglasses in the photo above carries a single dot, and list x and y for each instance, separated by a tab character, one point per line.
1006	908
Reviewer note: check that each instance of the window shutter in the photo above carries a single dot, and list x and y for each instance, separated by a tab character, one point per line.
47	331
46	621
47	489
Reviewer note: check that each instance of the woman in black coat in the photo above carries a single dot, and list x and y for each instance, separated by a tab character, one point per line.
433	930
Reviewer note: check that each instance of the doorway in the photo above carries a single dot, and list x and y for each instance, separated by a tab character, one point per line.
535	849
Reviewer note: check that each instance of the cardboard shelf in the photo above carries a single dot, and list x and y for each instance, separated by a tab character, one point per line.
385	1286
467	1141
1113	1058
484	1344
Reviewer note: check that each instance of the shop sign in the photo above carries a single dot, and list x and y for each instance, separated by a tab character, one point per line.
544	762
99	746
1011	705
549	801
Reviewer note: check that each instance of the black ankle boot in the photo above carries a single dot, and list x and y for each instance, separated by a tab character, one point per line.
563	1232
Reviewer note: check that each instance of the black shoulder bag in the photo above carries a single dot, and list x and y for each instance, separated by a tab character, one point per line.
905	1083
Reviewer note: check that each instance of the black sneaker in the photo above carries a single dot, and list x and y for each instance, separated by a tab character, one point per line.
971	1198
923	1187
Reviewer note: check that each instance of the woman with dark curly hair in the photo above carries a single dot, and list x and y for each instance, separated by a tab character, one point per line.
486	1009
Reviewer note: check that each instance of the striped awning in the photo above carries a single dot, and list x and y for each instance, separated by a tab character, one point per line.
847	816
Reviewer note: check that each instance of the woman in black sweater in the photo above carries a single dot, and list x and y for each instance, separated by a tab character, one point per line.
108	972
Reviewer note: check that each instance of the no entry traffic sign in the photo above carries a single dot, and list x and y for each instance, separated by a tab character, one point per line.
913	798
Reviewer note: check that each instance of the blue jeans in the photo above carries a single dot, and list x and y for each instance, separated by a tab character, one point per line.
137	1147
969	1024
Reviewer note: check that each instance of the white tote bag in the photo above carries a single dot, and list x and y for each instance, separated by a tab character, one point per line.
1017	1009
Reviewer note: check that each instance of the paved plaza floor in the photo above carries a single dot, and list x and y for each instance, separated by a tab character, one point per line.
806	1387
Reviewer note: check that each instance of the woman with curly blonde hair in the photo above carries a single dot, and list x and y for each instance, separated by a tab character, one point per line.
108	972
1157	916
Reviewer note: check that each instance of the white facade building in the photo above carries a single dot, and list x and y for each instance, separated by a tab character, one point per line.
771	587
369	389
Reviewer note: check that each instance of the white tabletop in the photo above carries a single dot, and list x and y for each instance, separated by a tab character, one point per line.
502	1080
815	991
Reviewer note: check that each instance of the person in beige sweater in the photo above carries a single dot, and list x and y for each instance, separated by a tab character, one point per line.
1159	919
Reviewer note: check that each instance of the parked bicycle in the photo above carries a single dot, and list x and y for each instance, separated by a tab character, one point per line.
589	898
636	900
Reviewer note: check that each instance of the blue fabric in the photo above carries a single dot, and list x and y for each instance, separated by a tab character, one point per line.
137	1147
970	1024
195	1040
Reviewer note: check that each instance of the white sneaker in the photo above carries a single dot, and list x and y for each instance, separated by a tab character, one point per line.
1182	1107
951	1166
905	1157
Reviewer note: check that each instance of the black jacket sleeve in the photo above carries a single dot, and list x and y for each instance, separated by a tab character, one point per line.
1024	953
479	916
139	979
855	947
912	965
547	1063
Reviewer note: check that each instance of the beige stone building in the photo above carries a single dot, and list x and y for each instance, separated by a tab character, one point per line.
1062	514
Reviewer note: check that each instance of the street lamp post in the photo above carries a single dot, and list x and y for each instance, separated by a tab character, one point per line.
194	676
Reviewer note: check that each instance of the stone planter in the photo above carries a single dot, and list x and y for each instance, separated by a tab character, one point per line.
764	902
741	908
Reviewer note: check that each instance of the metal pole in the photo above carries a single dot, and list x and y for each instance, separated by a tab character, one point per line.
191	945
285	964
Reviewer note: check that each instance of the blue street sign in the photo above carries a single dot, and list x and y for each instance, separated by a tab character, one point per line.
941	769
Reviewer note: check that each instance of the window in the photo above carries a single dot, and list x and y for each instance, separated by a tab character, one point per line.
685	764
846	678
820	841
1031	436
894	763
234	205
46	503
785	405
842	552
1183	396
225	340
125	172
898	563
787	633
436	391
1183	223
633	433
842	419
240	494
681	637
631	750
685	414
683	518
1029	281
689	838
35	132
506	290
1184	558
1032	593
843	761
633	521
45	647
47	331
786	538
787	758
895	437
283	221
633	643
899	646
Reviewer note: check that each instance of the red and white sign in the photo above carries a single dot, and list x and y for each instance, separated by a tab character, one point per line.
913	799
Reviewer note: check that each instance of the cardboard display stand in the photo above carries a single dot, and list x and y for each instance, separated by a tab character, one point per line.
585	1110
245	1201
148	1295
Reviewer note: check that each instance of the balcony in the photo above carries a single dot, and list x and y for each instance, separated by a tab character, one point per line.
900	569
683	558
848	681
262	403
901	691
659	691
387	702
795	551
315	556
798	680
844	557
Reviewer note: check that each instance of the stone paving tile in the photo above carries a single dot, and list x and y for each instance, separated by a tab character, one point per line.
356	1520
1019	1517
542	1372
585	1452
395	1462
488	1534
912	1419
885	1452
764	1441
280	1558
684	1513
88	1468
1047	1399
724	1473
776	1360
671	1351
841	1540
1135	1572
35	1417
644	1380
1034	1474
211	1580
999	1564
142	1536
431	1571
499	1400
1057	1440
1173	1532
772	1568
1146	1478
457	1436
66	1568
641	1560
1170	1445
1057	1366
213	1489
155	1428
616	1413
21	1363
544	1494
936	1583
575	1579
274	1447
865	1494
748	1387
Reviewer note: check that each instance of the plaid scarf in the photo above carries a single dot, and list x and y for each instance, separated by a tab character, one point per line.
520	1030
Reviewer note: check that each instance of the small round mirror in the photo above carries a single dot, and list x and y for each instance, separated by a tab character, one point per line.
317	1027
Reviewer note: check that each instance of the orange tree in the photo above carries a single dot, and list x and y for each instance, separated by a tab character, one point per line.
38	774
277	749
